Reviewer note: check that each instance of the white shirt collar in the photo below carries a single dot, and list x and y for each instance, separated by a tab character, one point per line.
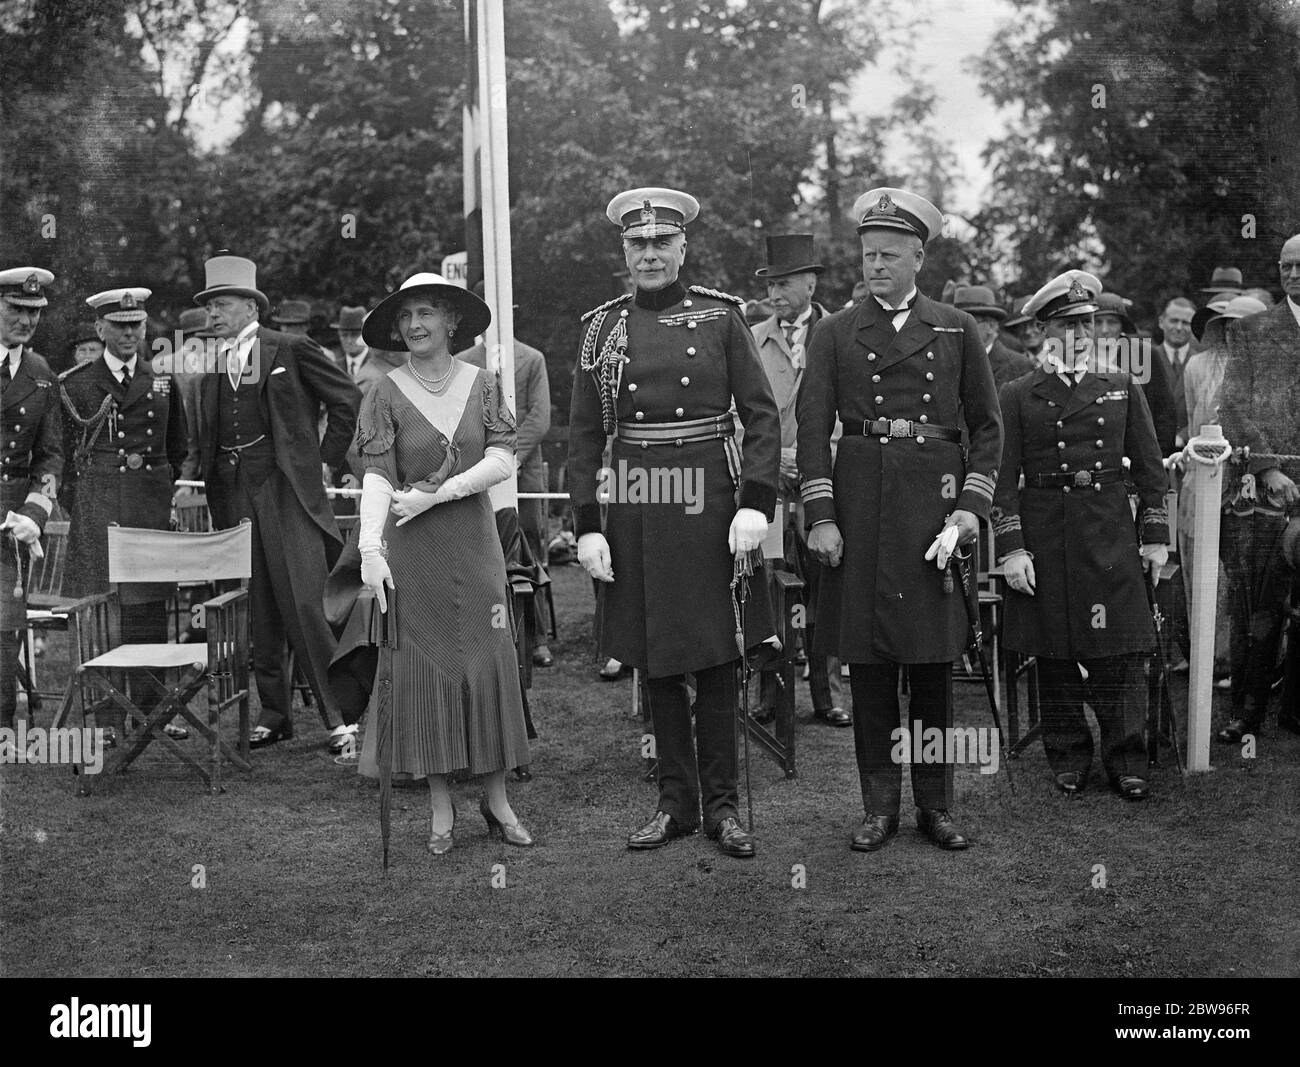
1295	309
800	321
907	300
243	344
1178	355
358	359
15	357
116	365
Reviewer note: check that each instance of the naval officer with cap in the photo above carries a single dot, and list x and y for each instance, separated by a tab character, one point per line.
31	455
1072	556
909	379
124	442
658	369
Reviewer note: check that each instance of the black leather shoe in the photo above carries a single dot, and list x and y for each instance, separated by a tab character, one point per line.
542	657
833	717
1235	730
938	826
269	735
874	832
658	832
733	840
1131	787
1070	783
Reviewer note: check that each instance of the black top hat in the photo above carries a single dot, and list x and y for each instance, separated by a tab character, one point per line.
789	253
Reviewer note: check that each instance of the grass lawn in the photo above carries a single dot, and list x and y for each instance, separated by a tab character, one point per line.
1199	881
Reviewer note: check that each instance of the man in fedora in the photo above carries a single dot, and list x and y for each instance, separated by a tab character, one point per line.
659	371
977	301
31	456
782	339
1261	395
262	457
293	316
909	379
1224	282
124	443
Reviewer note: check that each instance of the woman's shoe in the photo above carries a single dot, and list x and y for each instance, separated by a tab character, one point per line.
511	835
440	844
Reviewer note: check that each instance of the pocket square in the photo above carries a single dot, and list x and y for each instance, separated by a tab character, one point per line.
278	370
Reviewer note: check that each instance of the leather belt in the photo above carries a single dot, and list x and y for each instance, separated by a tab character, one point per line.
688	431
1076	479
904	428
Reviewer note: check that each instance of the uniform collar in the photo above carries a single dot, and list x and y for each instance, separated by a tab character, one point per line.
116	365
908	301
15	357
658	299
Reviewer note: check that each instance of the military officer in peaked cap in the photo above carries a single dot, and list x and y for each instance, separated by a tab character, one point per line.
1073	558
31	456
124	442
658	369
910	381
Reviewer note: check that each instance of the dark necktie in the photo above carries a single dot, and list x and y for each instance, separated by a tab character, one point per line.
6	375
126	377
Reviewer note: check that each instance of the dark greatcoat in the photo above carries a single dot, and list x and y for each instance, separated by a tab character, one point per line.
1089	601
150	424
669	609
31	446
885	602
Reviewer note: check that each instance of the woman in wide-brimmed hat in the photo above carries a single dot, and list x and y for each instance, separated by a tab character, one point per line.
434	434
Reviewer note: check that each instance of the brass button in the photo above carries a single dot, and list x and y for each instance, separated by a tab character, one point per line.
122	470
121	434
623	313
871	357
880	400
925	418
1100	442
1065	489
149	433
148	396
631	388
1060	425
1101	421
640	415
645	444
680	412
884	440
929	376
1051	403
1065	466
690	325
1060	444
1096	488
925	399
929	355
22	411
691	351
686	303
1099	399
685	381
920	440
1097	465
149	414
121	451
875	377
17	427
678	442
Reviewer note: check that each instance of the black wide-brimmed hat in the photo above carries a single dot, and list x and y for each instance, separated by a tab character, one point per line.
789	253
379	331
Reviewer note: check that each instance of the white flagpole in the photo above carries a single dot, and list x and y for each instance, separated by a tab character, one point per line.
494	183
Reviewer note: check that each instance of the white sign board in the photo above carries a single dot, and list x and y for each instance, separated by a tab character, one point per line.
455	268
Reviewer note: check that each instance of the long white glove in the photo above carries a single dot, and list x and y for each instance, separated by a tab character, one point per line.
593	554
748	529
496	466
24	528
375	575
1154	557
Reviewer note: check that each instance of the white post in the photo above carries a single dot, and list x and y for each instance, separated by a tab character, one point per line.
1205	482
495	168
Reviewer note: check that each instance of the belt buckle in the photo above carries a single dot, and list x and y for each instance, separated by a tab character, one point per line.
900	428
135	461
1082	479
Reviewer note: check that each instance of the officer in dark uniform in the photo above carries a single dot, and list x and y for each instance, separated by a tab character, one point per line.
910	381
124	442
31	456
658	370
1072	558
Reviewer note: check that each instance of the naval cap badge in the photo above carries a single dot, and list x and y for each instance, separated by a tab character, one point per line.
31	285
128	301
884	206
648	213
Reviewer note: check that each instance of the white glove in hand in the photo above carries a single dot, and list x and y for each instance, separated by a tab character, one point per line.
593	554
23	527
748	529
408	503
1154	557
1019	572
375	576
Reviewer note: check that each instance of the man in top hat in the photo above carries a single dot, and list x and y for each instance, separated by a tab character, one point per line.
1225	281
910	380
124	443
261	456
1261	395
977	301
293	316
1072	556
659	371
31	456
782	339
533	419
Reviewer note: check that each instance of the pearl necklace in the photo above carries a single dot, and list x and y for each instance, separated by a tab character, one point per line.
434	386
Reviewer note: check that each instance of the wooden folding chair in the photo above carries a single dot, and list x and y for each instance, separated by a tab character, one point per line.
216	672
45	600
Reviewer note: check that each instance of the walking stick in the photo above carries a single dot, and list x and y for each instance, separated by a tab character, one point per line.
962	564
742	570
